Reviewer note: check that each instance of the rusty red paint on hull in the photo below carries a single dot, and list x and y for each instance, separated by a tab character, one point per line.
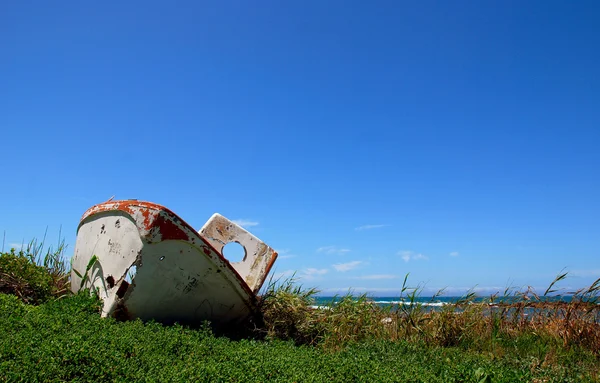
159	219
169	230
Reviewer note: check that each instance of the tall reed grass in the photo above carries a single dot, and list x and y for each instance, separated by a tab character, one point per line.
546	328
36	271
521	321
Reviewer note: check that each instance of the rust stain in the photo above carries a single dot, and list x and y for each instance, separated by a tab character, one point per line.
262	250
152	219
151	213
122	289
146	214
271	262
267	269
169	230
121	313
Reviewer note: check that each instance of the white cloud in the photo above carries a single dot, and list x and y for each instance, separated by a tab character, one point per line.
332	250
369	227
584	273
312	273
17	246
456	291
284	254
343	267
454	254
408	255
393	291
308	274
245	222
377	276
425	292
283	275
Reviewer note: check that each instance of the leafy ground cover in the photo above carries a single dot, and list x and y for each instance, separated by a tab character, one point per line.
48	334
66	340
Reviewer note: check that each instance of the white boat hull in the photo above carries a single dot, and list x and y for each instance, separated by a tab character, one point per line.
180	274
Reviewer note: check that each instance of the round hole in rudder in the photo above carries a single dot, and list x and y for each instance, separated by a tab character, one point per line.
234	252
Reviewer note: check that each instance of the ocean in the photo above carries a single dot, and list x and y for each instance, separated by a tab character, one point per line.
323	301
430	303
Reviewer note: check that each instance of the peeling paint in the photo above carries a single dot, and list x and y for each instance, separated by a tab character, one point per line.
259	257
181	274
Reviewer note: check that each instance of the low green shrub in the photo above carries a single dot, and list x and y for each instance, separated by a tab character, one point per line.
355	319
36	272
520	337
24	279
287	313
66	340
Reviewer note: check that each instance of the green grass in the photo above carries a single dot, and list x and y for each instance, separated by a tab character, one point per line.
36	272
492	325
66	340
51	335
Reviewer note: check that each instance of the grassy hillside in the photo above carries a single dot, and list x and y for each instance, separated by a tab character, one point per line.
67	340
51	335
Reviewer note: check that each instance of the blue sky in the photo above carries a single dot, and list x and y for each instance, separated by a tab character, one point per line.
455	141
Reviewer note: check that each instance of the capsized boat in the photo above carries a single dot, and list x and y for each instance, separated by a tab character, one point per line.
146	262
